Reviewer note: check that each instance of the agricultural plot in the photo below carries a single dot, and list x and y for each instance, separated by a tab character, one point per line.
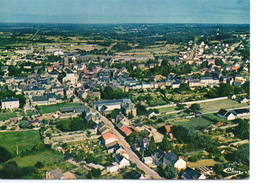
24	139
53	108
218	104
193	122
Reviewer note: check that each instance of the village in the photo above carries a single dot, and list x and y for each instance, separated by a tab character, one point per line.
126	115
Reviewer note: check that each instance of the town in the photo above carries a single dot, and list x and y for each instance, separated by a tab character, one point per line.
124	101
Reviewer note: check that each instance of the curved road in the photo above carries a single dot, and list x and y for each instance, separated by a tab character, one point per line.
133	157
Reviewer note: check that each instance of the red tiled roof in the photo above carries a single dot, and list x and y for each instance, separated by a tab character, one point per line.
109	135
126	130
168	128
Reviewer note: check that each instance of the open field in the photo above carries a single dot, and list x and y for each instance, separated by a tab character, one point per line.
203	162
53	108
7	115
167	109
193	122
218	104
25	140
46	157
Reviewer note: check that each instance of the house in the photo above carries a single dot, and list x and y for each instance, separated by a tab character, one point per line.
113	168
148	160
92	165
144	142
10	103
189	173
232	97
173	159
243	100
122	161
151	114
238	82
157	156
223	113
126	130
134	175
168	128
69	175
240	112
54	174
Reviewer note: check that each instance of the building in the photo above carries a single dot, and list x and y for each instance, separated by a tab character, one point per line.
223	113
122	161
157	156
189	173
240	112
173	159
55	174
10	103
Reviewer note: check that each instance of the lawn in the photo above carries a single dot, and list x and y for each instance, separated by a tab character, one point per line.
53	108
218	104
167	109
30	113
203	162
24	140
7	115
47	157
63	166
193	122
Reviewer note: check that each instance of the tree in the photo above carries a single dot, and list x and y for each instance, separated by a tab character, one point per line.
218	168
152	146
24	124
225	89
195	107
64	125
184	87
165	145
39	164
89	175
170	172
77	124
96	172
5	155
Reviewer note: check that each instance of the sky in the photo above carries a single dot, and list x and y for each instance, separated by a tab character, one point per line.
125	11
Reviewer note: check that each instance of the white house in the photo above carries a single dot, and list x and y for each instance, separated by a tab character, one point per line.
122	161
109	138
151	114
10	103
113	168
176	161
223	113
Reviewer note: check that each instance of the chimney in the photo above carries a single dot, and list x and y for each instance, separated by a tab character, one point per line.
180	157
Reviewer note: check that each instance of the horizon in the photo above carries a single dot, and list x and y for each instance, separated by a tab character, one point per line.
130	11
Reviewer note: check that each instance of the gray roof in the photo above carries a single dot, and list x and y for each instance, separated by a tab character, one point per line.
170	158
189	173
9	99
40	98
57	174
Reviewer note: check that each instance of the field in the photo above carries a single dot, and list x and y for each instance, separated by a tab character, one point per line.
53	108
203	162
7	115
25	140
167	109
188	123
46	157
217	105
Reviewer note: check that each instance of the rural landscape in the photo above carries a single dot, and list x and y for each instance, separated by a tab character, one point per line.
124	101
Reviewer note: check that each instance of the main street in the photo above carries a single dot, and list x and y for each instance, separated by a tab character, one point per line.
133	157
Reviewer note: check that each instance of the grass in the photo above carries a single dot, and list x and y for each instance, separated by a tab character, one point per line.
167	109
25	140
200	122
53	108
203	162
47	157
217	105
63	166
31	113
215	117
7	115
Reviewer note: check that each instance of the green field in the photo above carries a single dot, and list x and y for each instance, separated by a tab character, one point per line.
193	122
53	108
218	104
30	113
167	109
7	115
46	157
24	140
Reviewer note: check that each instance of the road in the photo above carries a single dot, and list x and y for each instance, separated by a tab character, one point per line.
133	157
